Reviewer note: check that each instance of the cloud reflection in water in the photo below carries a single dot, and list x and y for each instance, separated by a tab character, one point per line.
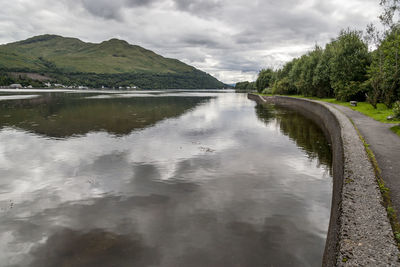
215	186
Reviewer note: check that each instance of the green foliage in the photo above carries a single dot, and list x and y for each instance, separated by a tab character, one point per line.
264	80
396	110
6	80
267	91
339	70
186	80
375	82
391	77
245	86
321	78
396	130
348	65
384	76
284	87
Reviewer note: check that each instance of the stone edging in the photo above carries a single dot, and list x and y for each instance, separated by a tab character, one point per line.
359	231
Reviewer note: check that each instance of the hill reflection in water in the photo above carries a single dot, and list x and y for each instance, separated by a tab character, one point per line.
61	115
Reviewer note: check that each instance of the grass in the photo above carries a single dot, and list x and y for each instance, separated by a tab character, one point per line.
46	52
380	113
396	129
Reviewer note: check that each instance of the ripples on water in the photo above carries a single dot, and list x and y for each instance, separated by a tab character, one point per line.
188	179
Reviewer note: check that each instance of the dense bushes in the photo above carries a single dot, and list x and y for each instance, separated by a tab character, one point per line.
245	86
340	70
396	110
264	80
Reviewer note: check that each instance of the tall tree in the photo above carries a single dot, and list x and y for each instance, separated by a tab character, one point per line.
391	50
321	79
264	79
348	65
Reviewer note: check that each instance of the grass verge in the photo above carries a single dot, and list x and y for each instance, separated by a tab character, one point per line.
396	129
380	113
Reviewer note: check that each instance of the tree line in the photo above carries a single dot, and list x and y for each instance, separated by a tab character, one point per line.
345	68
186	80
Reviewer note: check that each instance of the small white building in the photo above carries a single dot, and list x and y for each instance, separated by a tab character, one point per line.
15	86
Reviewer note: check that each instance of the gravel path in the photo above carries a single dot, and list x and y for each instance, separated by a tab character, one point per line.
386	146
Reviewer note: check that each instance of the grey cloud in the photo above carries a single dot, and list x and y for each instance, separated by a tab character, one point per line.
210	41
199	41
112	9
199	6
102	8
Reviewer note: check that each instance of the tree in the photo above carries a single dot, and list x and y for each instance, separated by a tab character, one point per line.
391	8
294	77
348	65
310	62
264	79
390	48
321	79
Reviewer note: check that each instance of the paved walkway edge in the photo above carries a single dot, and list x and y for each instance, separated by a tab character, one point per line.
359	230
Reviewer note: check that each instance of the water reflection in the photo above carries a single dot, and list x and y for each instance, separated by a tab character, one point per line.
213	186
62	115
92	249
302	130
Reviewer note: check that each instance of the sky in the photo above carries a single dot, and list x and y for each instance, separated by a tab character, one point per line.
230	39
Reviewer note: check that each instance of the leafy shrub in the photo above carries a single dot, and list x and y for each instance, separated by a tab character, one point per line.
351	91
396	109
267	91
283	87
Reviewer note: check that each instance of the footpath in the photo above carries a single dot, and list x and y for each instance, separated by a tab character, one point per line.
386	147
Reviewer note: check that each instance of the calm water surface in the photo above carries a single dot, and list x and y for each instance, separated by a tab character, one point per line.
174	179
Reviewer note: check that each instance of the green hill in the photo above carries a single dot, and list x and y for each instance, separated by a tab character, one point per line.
111	63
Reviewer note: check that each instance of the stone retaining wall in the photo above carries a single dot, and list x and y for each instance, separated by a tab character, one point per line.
359	231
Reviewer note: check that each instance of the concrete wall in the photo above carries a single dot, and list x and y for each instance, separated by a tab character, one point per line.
359	231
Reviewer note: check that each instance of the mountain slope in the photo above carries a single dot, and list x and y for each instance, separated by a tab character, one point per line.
70	60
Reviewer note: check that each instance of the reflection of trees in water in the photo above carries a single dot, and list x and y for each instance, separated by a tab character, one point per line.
265	113
303	131
63	115
72	248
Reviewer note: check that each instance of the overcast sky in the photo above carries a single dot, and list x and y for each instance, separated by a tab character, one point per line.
230	39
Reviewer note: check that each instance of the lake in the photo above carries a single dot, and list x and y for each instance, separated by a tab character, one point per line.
170	178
